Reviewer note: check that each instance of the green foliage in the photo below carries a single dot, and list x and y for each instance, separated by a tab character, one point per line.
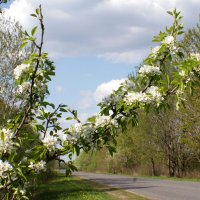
166	141
30	139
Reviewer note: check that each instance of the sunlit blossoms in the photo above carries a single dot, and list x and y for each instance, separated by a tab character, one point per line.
102	121
41	87
195	56
128	85
24	87
155	50
74	132
151	95
182	73
154	93
87	133
50	142
133	97
112	99
38	166
76	128
169	40
19	70
5	168
6	143
149	70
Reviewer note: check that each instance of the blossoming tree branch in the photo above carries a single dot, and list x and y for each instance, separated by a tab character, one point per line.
168	70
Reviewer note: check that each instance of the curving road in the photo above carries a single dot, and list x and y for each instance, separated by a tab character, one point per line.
151	188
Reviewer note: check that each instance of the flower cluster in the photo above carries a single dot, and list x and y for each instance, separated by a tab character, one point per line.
170	42
38	167
155	50
182	73
152	94
50	142
195	56
24	87
102	121
87	133
6	143
76	128
5	168
41	87
133	97
149	70
128	85
19	70
112	99
75	132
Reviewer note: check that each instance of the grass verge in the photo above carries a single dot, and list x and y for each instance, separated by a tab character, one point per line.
60	187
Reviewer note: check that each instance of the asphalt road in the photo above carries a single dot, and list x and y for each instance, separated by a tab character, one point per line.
151	188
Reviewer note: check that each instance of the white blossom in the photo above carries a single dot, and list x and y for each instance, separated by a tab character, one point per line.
76	128
133	97
182	73
155	94
169	40
114	99
41	87
24	87
20	69
149	70
152	94
6	143
195	56
5	168
88	131
75	132
128	85
50	142
38	167
22	192
155	50
102	121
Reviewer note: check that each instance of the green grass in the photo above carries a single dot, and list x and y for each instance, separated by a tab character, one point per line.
63	188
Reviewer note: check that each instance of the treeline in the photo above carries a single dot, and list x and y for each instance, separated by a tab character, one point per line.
163	143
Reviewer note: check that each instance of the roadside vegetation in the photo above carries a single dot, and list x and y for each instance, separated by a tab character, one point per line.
164	143
60	187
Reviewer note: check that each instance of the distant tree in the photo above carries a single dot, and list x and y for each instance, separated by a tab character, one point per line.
11	55
191	39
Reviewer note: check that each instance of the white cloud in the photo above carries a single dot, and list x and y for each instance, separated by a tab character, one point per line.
115	29
105	89
89	98
129	57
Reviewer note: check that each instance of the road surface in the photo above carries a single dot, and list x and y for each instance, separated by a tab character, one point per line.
151	188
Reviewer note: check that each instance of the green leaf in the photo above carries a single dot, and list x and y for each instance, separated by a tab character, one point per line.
63	110
34	30
33	15
23	45
69	118
170	12
37	11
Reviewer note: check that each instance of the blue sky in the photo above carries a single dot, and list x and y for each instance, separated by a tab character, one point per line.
96	41
78	75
